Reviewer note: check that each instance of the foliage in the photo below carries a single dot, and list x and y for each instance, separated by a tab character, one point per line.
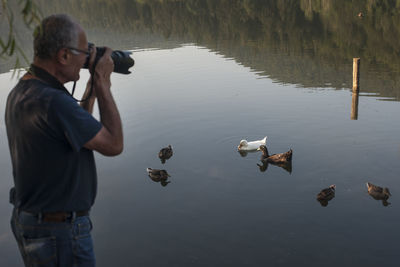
315	38
330	28
31	16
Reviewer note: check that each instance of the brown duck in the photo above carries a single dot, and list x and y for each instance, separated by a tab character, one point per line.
157	175
275	158
165	153
326	194
379	193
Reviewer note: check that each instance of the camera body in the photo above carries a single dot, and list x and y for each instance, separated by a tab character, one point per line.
122	60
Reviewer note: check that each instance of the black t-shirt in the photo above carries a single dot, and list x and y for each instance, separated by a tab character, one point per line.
46	131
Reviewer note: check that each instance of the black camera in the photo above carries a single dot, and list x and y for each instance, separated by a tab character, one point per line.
122	60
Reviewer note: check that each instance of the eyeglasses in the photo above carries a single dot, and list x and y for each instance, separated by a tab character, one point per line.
87	53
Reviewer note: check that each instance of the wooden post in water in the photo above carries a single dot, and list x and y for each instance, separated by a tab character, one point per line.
354	106
356	75
356	88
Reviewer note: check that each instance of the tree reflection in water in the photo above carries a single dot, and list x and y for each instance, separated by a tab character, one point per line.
307	43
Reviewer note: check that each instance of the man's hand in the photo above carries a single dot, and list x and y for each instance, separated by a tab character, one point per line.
93	52
104	68
109	140
89	102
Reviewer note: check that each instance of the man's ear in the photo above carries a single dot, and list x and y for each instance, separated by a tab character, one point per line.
63	56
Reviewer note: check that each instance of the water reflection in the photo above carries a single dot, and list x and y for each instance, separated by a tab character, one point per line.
354	106
244	153
283	60
379	193
263	167
163	183
287	166
311	50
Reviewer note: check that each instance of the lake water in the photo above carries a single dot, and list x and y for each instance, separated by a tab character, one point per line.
203	92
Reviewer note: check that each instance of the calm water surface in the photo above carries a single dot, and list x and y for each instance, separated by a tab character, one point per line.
220	209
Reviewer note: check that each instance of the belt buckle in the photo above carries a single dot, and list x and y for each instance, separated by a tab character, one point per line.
63	216
56	217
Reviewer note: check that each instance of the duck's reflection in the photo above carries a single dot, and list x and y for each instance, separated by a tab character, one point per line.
163	182
263	167
326	195
379	193
244	153
287	166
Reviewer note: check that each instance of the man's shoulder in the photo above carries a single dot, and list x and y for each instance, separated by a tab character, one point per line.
34	88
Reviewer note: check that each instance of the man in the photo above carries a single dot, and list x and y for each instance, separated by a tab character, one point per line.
51	140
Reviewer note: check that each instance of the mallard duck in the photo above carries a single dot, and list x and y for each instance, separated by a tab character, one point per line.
157	175
253	145
275	158
326	194
379	193
165	153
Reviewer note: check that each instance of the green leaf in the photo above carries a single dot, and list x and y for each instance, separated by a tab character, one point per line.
2	45
23	55
28	8
16	67
31	16
12	49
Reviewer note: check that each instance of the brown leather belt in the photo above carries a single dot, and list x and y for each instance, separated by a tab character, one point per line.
62	216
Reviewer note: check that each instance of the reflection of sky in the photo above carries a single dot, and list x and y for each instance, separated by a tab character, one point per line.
321	58
219	209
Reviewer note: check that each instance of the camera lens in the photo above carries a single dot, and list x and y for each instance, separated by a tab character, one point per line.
122	60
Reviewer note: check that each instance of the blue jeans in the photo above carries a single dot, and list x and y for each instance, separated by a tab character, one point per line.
61	244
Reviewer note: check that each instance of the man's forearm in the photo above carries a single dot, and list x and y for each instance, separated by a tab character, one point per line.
109	115
89	103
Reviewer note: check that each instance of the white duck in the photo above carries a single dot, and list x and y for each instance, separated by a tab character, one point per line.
244	145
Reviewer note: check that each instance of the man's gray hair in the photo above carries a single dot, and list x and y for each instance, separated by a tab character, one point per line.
54	33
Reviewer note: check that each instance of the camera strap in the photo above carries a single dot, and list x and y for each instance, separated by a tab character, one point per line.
46	77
